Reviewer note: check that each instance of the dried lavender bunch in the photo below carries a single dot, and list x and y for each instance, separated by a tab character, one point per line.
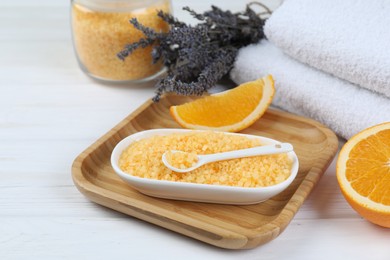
198	56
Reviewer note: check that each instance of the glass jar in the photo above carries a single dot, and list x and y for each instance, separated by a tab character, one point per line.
101	29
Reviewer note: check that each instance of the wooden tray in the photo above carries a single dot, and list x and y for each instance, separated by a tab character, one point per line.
227	226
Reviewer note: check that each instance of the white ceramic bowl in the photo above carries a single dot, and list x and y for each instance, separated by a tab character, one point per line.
198	192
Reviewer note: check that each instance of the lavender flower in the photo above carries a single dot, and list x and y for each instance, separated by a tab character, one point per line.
198	56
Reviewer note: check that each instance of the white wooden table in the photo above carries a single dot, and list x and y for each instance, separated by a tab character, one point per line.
50	111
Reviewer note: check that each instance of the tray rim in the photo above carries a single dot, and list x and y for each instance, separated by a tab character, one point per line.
182	224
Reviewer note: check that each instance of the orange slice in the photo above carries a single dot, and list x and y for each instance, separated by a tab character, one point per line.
230	111
363	173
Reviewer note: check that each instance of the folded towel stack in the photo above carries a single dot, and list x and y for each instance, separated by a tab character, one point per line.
338	66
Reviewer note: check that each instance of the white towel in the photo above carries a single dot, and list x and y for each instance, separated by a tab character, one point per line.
342	106
347	38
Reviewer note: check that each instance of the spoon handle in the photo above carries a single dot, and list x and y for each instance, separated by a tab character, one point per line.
254	151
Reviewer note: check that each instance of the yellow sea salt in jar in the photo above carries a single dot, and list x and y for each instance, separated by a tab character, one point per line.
101	29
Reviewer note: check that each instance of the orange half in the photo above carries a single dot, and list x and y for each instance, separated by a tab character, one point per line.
363	173
230	111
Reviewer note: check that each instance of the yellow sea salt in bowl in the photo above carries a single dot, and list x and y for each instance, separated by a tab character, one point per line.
137	160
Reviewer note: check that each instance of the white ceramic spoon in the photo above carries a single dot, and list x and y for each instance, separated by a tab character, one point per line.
208	158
